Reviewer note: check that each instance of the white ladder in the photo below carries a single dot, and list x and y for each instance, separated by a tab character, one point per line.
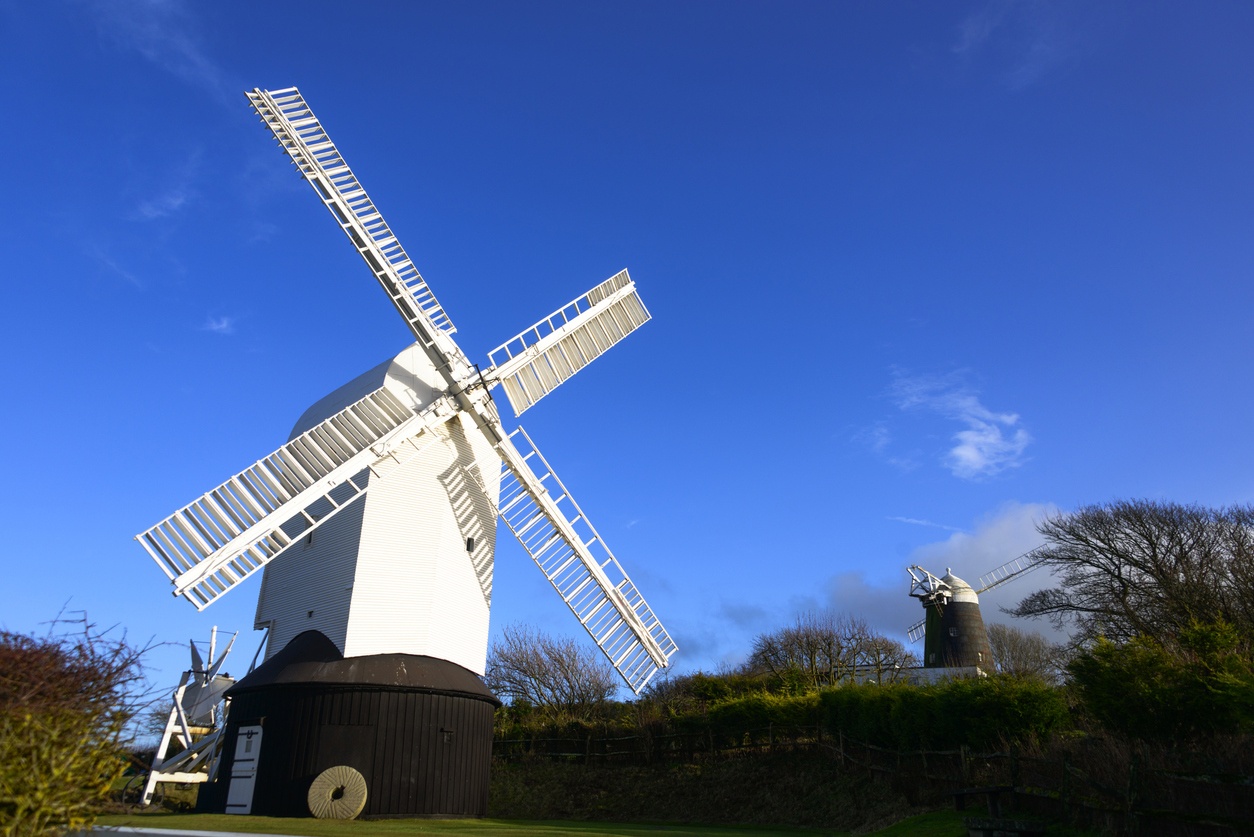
1026	562
300	134
557	535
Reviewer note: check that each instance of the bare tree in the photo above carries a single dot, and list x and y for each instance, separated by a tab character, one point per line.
884	660
1140	568
556	676
824	648
1022	654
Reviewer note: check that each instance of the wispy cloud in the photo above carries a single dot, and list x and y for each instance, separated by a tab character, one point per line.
164	32
996	537
979	26
162	205
990	443
914	521
1027	39
219	325
107	261
174	188
877	437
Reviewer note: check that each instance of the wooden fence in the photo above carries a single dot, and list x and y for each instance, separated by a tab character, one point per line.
1115	795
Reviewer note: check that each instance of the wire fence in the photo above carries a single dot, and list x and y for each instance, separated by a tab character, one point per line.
1117	793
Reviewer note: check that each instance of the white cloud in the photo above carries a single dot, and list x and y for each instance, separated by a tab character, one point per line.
1028	39
997	538
104	258
990	443
914	521
979	26
219	325
885	606
162	205
163	32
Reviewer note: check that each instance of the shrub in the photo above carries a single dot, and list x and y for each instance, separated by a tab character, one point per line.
1142	689
65	701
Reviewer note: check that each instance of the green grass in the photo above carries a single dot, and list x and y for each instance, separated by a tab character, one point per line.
435	828
932	824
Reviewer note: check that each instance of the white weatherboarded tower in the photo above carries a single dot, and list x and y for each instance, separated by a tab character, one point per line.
408	568
376	526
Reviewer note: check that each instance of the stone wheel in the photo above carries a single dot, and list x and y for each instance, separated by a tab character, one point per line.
337	793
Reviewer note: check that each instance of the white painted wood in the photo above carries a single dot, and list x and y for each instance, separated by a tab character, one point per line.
239	794
380	532
391	573
541	358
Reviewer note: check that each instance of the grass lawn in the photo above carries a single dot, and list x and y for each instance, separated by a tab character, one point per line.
437	828
934	824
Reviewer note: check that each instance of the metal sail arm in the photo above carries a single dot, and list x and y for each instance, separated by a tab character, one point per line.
302	137
562	541
916	631
537	361
214	543
926	587
1022	565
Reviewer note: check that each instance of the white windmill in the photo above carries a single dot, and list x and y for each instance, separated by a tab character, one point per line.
375	523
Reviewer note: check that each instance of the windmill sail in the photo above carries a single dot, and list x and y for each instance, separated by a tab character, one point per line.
537	361
214	543
562	541
1025	563
916	631
303	138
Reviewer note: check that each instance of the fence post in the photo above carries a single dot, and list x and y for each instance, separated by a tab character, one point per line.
840	738
1065	795
770	736
1133	776
963	752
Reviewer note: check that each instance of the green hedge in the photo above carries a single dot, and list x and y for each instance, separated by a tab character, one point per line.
981	713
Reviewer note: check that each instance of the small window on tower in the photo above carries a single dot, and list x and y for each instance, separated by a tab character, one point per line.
953	631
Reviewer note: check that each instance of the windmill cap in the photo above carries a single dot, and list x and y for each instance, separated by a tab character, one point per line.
961	591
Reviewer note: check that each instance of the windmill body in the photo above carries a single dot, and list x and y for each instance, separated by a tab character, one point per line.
955	640
374	528
955	637
406	567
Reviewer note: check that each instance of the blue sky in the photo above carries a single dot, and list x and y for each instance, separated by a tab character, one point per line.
920	273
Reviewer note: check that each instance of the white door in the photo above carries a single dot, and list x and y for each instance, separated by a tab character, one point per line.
239	795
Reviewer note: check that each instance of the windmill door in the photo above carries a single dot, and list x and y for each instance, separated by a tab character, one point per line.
239	795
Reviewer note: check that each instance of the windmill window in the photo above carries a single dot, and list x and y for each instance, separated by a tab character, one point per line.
953	631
